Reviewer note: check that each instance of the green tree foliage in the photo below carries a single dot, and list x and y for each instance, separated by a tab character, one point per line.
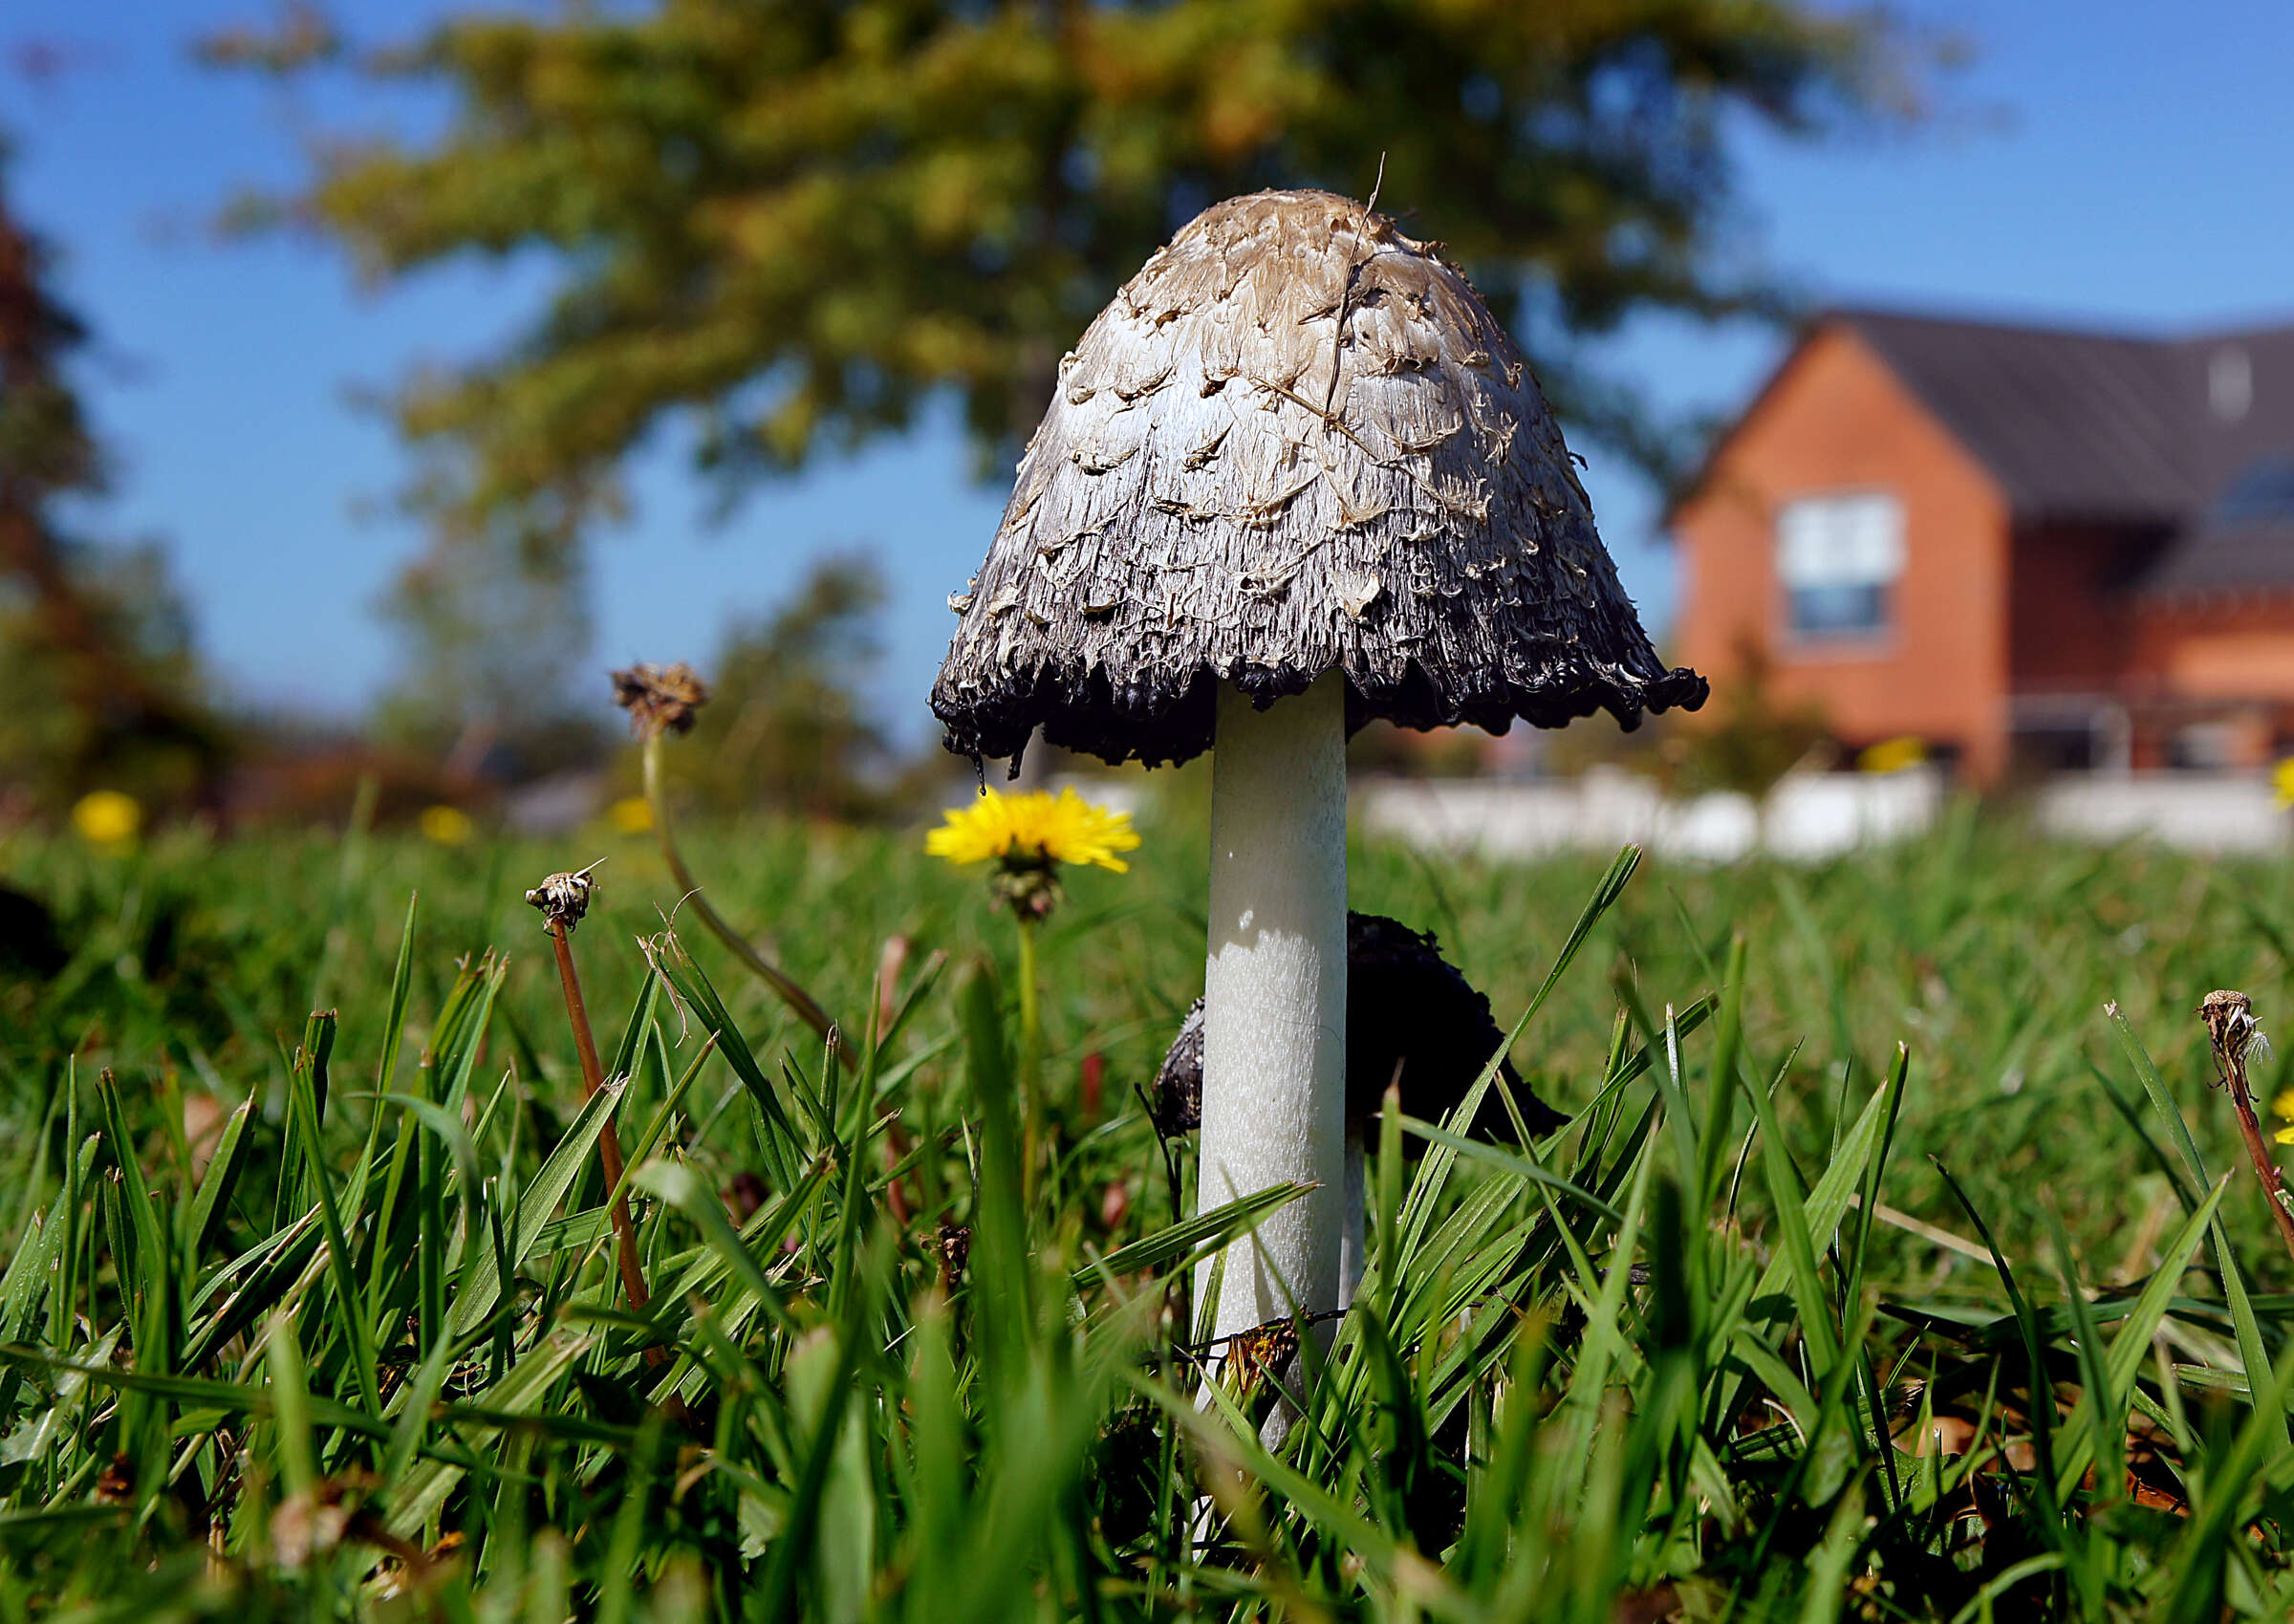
94	647
792	222
786	725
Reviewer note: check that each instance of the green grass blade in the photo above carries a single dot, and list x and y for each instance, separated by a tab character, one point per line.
1189	1240
537	1201
225	1169
1525	1166
785	1150
349	1302
2253	1352
2103	1408
520	1392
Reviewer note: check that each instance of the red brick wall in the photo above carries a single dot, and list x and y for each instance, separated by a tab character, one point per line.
2071	625
2221	659
1837	420
2239	649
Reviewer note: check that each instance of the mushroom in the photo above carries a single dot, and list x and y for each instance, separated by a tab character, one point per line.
1411	1020
1294	478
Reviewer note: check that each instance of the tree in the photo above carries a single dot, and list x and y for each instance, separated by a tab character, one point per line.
500	628
786	726
791	223
95	646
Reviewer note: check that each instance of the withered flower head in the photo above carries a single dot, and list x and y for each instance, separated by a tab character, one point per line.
1260	1353
117	1486
2231	1031
955	1241
563	899
659	699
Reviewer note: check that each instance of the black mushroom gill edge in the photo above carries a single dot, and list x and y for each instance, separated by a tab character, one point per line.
1170	721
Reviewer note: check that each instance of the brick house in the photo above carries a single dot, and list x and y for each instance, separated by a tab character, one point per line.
2037	550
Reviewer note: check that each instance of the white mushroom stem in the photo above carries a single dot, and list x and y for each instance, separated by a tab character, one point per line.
1354	1238
1274	998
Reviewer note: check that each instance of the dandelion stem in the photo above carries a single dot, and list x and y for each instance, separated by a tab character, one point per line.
1031	1058
2230	1029
2258	1149
770	974
609	1142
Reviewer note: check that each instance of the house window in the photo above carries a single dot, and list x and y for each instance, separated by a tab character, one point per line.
1838	557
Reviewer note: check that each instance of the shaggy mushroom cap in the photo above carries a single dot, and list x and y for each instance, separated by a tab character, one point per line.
1296	442
1406	1005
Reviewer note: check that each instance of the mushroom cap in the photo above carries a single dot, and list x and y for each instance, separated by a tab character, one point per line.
1297	440
1406	1005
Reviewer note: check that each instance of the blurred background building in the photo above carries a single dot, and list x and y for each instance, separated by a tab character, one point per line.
375	374
2035	548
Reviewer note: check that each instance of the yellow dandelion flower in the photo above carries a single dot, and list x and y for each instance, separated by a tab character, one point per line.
632	814
447	826
107	817
2283	1108
2282	781
1893	755
1035	828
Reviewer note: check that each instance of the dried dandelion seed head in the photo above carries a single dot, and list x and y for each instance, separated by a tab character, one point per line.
1296	442
116	1485
563	899
2231	1031
659	699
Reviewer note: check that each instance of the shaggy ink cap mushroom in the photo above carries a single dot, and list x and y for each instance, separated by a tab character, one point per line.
1296	442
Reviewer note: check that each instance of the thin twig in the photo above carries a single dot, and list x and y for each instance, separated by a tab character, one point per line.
1162	1140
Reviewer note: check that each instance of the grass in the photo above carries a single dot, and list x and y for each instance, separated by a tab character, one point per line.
318	1315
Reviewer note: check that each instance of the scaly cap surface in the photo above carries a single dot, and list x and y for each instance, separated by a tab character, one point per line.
1297	440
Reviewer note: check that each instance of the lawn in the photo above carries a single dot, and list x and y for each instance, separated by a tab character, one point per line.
356	1354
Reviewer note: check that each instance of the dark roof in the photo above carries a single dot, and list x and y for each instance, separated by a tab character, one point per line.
2215	557
2193	435
2080	425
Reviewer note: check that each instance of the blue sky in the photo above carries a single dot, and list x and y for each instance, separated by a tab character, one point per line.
2115	161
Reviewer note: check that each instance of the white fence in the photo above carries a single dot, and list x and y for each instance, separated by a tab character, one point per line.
2197	812
1806	817
1809	818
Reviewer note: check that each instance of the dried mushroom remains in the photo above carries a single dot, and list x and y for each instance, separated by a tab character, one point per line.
1406	1005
